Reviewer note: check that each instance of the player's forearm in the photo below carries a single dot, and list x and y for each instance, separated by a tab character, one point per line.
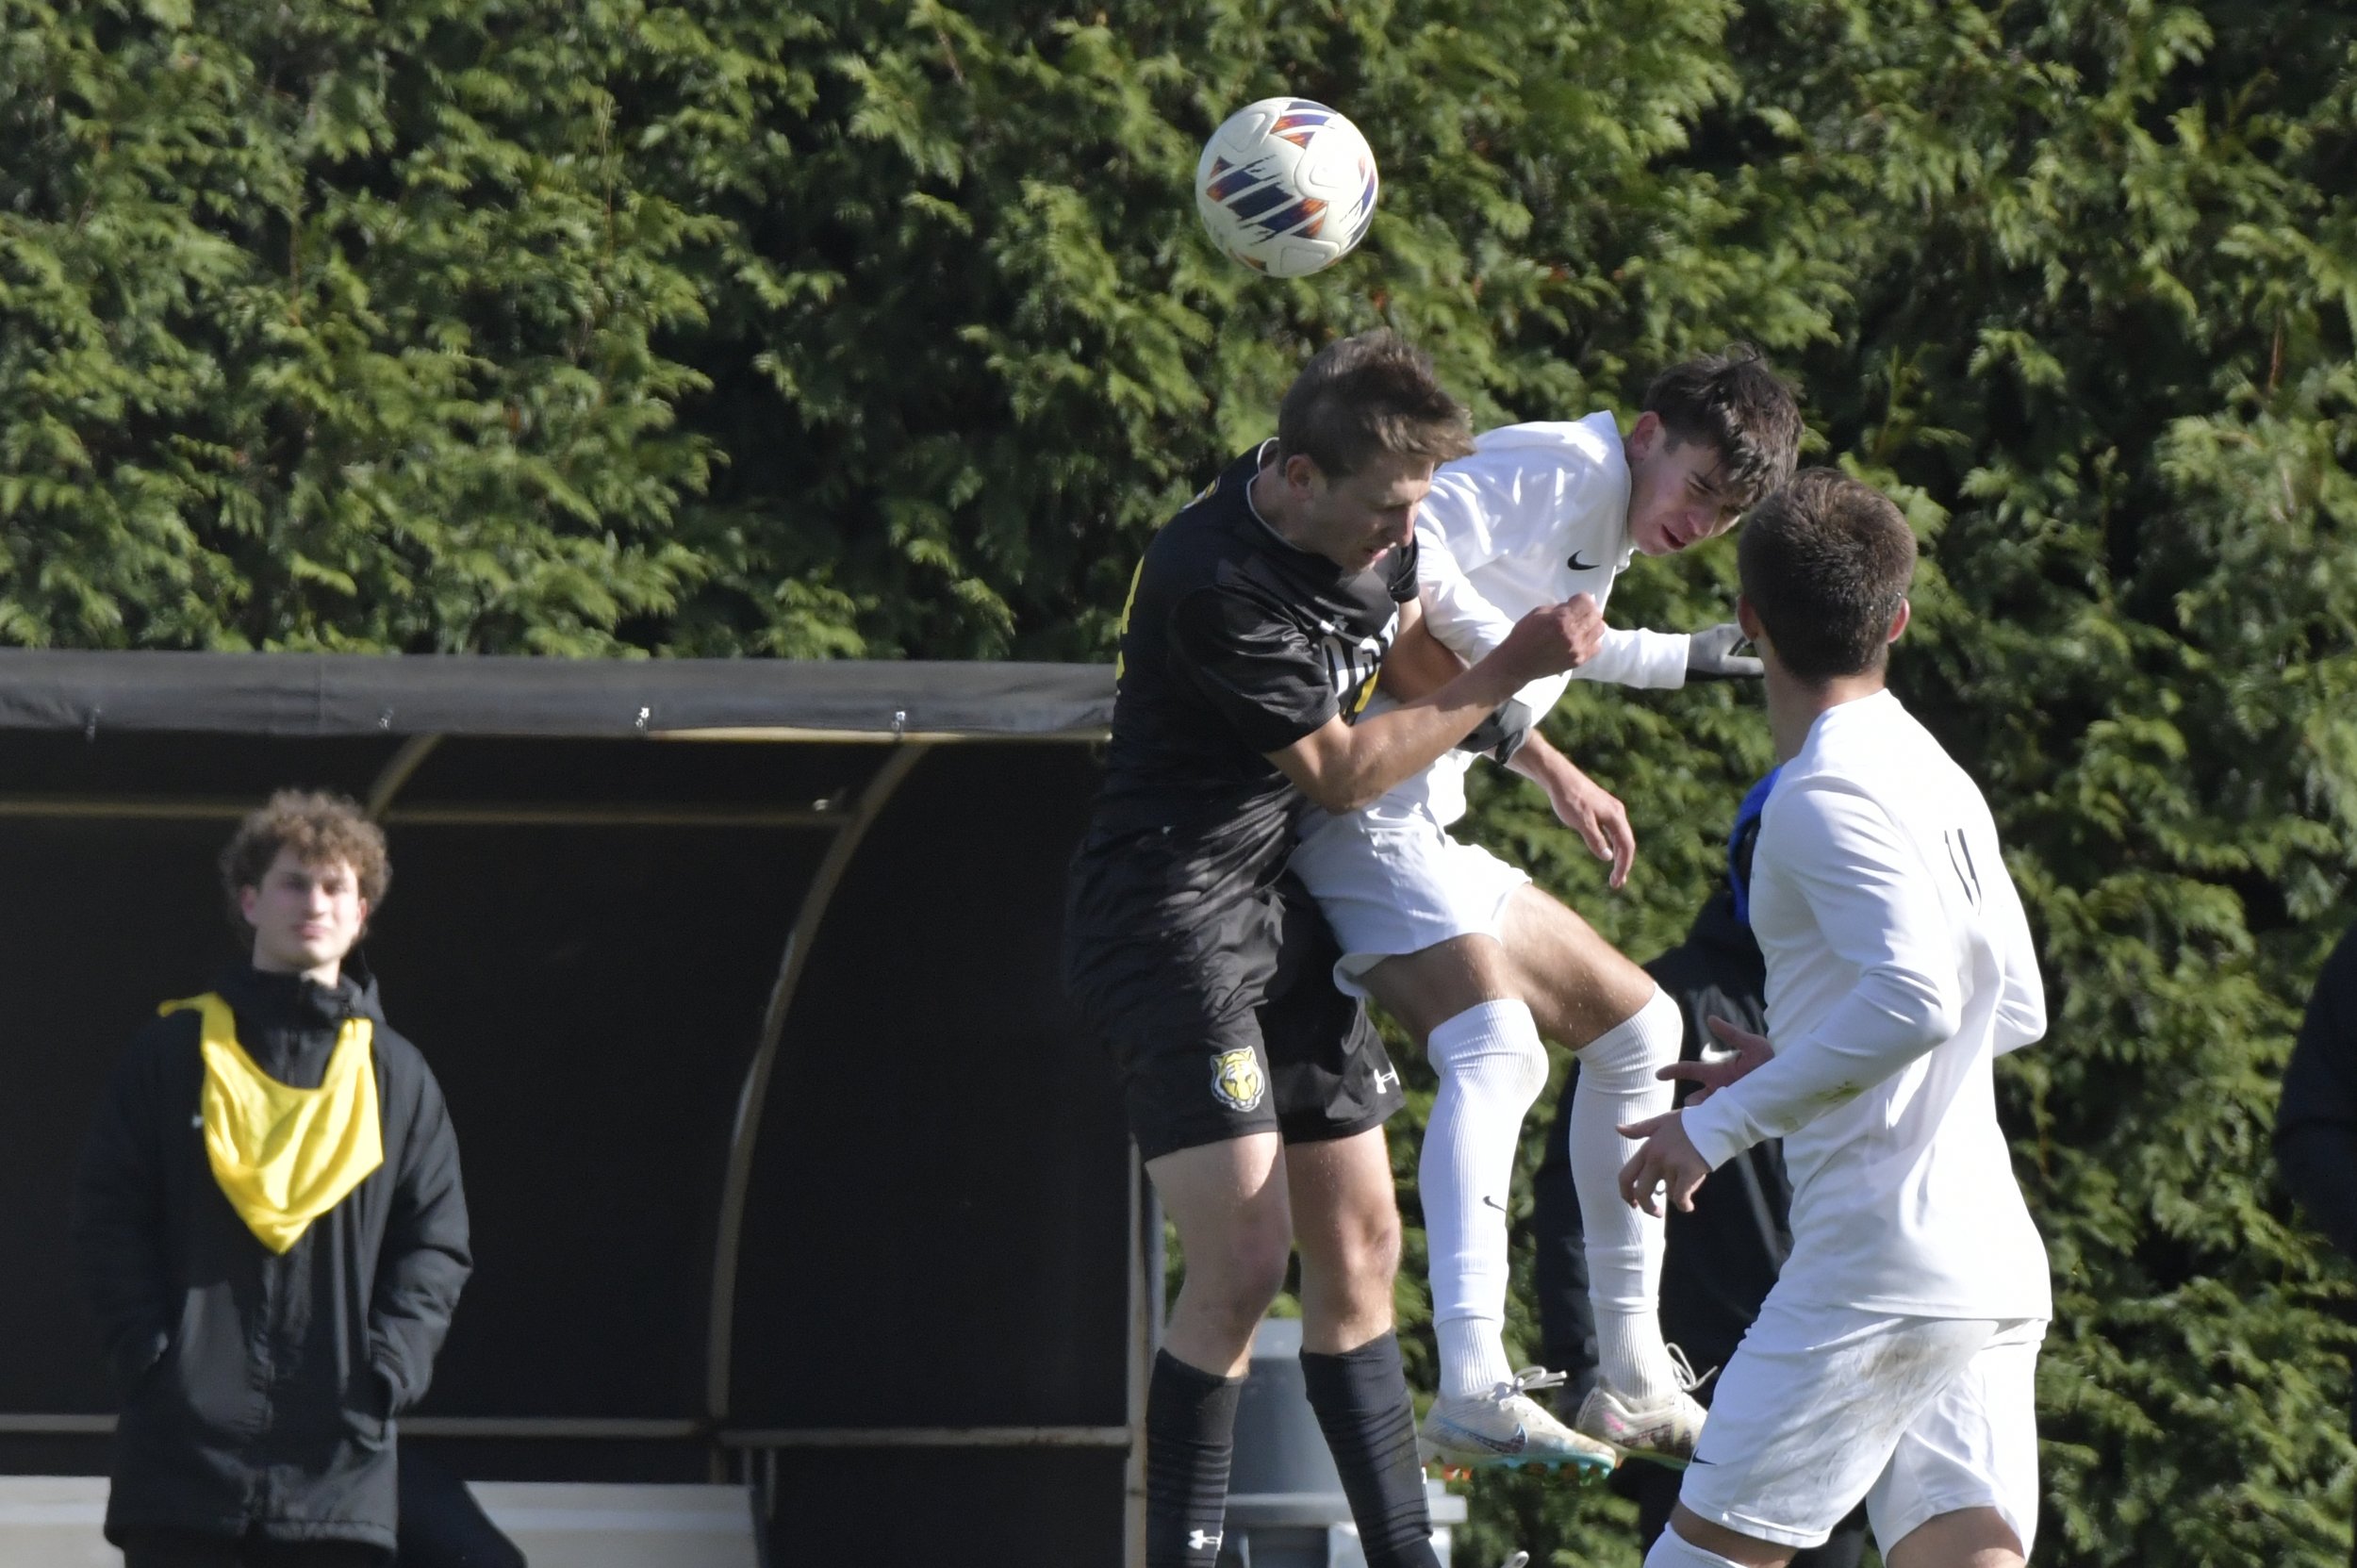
1538	760
1654	661
1385	749
1891	1019
1344	766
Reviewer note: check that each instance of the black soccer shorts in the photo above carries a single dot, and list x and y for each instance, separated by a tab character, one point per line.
1221	1014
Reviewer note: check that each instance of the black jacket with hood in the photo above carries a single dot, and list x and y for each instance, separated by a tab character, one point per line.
259	1388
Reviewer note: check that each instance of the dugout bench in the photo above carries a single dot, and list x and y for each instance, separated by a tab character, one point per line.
788	1164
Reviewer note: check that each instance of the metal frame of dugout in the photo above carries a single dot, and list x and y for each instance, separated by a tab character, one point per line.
786	1159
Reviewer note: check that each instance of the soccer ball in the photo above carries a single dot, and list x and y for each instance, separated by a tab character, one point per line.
1286	187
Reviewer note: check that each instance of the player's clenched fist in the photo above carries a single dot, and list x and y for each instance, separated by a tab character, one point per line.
1555	638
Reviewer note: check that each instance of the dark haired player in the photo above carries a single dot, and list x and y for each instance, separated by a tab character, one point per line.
1256	629
1720	1257
1894	1359
1479	963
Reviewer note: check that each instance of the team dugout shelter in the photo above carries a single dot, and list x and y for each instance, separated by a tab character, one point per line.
787	1162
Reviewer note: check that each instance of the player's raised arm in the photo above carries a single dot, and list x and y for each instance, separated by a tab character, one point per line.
1344	766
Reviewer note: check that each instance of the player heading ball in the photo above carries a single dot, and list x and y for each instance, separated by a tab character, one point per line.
1254	637
1482	967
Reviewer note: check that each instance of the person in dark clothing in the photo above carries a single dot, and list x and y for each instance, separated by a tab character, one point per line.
271	1228
1720	1258
2316	1124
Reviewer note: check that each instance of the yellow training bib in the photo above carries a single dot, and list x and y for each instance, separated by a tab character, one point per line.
284	1156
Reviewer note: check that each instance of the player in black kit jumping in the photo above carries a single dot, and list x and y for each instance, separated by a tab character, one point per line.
1257	628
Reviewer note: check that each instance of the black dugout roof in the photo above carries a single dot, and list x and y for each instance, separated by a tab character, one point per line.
324	694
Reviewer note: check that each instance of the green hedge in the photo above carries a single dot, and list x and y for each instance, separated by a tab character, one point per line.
608	329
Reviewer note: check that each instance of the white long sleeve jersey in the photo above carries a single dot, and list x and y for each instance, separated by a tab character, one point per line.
1899	967
1538	513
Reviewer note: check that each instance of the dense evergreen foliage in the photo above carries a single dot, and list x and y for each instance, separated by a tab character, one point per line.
834	328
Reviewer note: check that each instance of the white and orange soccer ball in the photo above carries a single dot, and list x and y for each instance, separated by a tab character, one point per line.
1286	186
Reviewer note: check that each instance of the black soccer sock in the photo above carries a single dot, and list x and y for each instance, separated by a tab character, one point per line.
1190	1439
1362	1400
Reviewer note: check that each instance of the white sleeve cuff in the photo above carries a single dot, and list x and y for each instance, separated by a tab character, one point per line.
1717	1128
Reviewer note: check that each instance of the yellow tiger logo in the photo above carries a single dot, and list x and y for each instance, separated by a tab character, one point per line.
1236	1080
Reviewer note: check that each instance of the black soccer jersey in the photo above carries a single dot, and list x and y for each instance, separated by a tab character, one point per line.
1234	644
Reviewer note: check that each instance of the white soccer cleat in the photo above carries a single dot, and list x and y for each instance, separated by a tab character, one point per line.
1506	1429
1664	1433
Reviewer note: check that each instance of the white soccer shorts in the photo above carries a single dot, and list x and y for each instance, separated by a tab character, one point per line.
1389	880
1822	1406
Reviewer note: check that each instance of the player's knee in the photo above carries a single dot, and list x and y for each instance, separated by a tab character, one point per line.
1368	1258
1629	1057
1240	1273
1523	1072
1354	1259
1370	1250
1495	1045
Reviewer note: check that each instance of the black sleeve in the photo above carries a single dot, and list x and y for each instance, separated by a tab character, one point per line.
118	1217
2315	1125
1257	670
426	1258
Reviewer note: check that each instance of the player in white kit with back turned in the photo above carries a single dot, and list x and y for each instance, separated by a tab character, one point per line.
1894	1360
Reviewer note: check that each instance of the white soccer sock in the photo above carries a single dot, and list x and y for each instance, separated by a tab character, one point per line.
1492	1067
1617	1085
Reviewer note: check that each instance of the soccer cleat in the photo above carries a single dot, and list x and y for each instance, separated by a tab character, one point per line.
1664	1433
1506	1429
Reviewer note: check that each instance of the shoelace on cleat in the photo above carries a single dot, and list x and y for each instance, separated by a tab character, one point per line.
1688	1382
1530	1378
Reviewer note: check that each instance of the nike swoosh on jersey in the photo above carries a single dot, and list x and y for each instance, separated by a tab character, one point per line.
1578	565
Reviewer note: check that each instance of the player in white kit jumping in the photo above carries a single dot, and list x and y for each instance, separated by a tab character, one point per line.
1476	963
1894	1359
